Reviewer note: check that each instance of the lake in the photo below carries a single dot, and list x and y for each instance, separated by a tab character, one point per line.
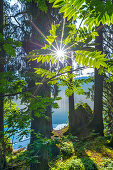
60	115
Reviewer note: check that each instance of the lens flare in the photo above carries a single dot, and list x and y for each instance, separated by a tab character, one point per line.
60	53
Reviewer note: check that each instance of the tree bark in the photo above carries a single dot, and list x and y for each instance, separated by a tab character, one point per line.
40	124
71	101
71	111
97	123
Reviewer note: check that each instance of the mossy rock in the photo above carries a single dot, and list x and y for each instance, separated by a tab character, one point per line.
86	110
81	118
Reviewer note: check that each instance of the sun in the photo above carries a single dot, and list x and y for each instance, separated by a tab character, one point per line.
60	53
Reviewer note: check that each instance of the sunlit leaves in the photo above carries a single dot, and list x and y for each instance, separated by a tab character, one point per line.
107	18
43	72
58	3
65	69
50	39
53	30
64	8
52	77
93	59
83	48
51	1
77	3
90	10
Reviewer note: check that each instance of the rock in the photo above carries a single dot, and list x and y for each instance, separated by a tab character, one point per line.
82	116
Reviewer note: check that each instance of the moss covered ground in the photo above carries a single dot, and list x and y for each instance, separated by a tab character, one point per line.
91	153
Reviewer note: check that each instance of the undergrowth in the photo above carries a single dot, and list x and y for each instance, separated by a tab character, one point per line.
88	154
73	154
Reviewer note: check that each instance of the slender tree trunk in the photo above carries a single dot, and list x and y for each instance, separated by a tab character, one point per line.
97	123
2	144
71	101
71	111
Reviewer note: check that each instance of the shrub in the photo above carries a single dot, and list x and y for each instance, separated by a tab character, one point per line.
108	164
78	164
73	164
88	163
67	149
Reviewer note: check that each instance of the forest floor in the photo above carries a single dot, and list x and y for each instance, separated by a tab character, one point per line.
89	153
70	153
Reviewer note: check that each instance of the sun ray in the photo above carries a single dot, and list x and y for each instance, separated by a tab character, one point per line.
39	45
37	29
36	90
42	55
70	46
57	44
56	41
42	46
62	34
63	47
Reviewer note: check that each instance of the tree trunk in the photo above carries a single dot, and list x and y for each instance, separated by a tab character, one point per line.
40	124
2	144
71	111
97	123
71	101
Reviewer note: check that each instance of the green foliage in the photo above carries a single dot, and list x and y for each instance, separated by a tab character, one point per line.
67	149
88	164
71	164
108	164
90	154
8	145
84	52
88	10
16	120
40	104
41	4
11	83
9	45
95	59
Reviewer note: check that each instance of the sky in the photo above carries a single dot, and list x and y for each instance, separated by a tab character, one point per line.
12	2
